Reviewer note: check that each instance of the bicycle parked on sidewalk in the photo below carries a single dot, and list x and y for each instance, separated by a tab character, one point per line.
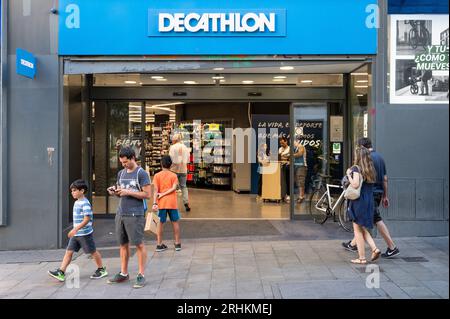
326	203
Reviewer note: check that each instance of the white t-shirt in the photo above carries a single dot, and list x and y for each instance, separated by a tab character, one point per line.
179	154
284	152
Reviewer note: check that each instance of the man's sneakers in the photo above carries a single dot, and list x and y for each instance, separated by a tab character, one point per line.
348	246
391	253
119	278
99	273
186	206
58	274
140	281
161	247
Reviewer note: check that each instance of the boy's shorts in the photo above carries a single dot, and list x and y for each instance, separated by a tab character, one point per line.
85	242
174	215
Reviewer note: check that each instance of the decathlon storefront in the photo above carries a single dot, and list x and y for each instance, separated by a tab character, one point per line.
113	73
147	70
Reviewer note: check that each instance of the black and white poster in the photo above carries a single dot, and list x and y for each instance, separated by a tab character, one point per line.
419	68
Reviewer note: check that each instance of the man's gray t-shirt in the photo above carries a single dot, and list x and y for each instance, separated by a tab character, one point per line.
133	181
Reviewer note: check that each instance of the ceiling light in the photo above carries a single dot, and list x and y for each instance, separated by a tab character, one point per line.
248	82
190	82
278	80
218	77
157	77
359	95
166	104
306	81
361	86
280	77
286	68
130	82
161	80
362	81
218	69
221	81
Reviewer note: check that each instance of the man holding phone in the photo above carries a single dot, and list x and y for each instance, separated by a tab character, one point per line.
133	188
380	194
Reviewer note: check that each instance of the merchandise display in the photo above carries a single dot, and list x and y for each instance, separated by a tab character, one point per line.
208	142
157	143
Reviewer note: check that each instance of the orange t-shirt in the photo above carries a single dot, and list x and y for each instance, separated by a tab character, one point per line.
163	181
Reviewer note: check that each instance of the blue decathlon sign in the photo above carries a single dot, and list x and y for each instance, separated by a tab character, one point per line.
216	23
25	63
217	27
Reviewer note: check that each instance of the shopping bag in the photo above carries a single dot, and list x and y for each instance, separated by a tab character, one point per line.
151	223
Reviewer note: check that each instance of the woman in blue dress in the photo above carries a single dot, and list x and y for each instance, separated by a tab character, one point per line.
360	211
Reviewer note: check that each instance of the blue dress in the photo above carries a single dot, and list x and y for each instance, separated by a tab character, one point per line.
361	210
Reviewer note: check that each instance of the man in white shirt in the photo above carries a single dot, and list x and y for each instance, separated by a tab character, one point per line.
180	154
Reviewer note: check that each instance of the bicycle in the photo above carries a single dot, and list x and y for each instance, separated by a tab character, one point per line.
418	35
323	206
414	88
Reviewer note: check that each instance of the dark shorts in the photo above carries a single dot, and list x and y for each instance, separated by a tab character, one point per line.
130	229
85	242
376	214
174	215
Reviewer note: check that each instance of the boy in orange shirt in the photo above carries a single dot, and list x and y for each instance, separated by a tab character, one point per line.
165	201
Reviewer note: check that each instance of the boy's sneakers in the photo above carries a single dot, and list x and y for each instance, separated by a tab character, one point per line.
99	273
348	246
58	274
177	247
140	281
186	206
391	253
161	247
119	278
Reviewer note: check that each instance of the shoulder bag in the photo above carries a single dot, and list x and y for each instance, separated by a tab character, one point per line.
352	193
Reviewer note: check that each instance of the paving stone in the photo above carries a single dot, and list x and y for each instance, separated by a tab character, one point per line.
420	292
440	288
172	284
393	291
223	293
326	289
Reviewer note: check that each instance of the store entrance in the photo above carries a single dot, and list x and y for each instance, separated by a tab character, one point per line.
219	186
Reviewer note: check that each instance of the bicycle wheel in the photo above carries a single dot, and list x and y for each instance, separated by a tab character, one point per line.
318	206
343	217
414	89
413	38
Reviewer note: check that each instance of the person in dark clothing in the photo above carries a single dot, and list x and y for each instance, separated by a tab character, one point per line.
361	210
426	76
380	197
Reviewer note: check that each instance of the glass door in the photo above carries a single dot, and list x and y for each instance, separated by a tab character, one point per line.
115	125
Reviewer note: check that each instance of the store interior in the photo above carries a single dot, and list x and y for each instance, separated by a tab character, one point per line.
219	188
212	173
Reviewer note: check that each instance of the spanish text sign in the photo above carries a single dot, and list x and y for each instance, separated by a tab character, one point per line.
215	27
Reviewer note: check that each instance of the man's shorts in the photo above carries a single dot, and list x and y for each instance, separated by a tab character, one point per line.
130	229
376	214
174	215
86	242
300	175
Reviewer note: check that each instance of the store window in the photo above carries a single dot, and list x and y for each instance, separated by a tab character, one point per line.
362	110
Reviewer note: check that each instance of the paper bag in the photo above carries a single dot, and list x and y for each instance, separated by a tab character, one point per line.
151	223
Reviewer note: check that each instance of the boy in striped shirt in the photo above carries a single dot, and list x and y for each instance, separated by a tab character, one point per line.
81	236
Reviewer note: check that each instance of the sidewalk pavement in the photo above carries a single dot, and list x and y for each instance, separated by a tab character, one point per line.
241	268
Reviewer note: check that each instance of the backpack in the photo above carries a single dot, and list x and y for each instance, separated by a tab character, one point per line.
138	185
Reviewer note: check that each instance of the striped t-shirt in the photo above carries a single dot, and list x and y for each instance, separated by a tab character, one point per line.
82	208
